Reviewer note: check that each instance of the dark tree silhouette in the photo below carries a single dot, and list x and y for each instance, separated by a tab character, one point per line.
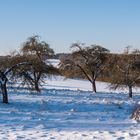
36	52
89	60
4	79
125	72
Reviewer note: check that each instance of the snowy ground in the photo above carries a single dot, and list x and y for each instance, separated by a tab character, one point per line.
68	110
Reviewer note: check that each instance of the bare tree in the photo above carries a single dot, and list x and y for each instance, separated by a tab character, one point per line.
34	50
89	60
33	75
124	72
4	80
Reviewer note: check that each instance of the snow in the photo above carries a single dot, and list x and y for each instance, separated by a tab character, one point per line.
67	109
54	62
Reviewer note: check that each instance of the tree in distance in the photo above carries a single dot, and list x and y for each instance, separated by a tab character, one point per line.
125	71
36	52
88	60
5	76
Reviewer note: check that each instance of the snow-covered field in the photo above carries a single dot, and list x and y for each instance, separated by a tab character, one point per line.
67	109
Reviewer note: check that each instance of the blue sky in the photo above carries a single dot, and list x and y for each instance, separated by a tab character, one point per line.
114	24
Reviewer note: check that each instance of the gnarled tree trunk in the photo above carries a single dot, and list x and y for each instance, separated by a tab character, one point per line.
36	86
94	86
3	82
4	93
130	91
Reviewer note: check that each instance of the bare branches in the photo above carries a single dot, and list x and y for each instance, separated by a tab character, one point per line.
14	66
33	46
88	60
125	73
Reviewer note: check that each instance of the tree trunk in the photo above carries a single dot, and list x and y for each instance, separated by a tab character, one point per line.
94	86
130	91
37	87
4	93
